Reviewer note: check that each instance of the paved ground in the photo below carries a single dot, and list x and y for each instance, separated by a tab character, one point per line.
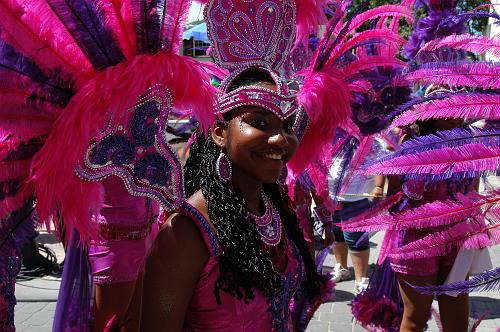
36	301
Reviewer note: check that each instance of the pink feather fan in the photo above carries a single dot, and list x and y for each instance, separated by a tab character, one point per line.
434	214
469	106
477	157
476	44
53	167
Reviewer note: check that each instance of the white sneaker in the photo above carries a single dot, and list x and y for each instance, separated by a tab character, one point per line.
340	274
361	286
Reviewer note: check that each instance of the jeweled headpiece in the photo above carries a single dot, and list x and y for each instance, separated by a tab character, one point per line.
247	34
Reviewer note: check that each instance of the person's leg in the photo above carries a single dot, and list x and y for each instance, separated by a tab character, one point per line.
360	263
112	302
454	311
360	253
133	318
340	251
416	306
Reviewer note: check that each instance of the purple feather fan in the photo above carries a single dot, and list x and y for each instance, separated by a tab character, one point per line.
488	281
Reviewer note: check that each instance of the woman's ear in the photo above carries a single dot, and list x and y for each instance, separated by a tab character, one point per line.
219	135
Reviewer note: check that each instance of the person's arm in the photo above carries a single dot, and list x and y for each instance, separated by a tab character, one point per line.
172	270
378	187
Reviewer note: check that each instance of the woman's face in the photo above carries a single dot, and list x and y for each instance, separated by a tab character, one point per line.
258	143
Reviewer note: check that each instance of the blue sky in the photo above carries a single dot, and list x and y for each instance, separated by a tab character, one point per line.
195	13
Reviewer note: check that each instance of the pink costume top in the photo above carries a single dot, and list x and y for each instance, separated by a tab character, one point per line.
233	315
125	225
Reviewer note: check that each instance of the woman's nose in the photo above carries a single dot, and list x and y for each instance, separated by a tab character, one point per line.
278	139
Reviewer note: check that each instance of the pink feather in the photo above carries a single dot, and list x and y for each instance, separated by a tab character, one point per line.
363	150
370	62
383	35
115	89
381	11
326	99
175	15
477	44
43	36
437	244
310	17
468	157
432	214
476	75
120	25
473	106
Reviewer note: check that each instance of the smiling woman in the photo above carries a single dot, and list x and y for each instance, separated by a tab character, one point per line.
242	243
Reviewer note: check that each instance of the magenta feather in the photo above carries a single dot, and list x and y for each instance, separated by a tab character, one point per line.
441	243
117	18
379	35
53	167
381	11
43	36
310	16
468	106
477	44
445	161
369	63
326	100
174	19
484	75
432	214
363	150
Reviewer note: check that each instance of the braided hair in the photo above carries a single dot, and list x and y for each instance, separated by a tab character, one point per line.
244	265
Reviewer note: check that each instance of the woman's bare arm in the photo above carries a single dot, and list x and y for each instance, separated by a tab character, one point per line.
173	267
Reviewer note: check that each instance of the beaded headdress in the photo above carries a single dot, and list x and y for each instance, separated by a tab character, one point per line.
256	34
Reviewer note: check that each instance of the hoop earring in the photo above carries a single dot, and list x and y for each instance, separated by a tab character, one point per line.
223	167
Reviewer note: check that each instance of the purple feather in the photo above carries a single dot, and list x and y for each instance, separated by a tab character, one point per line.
447	139
480	74
488	281
85	22
342	160
320	258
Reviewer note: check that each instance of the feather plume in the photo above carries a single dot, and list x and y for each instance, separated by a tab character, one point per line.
384	36
381	11
173	22
476	75
371	62
85	22
432	214
115	15
446	139
469	106
310	16
53	167
477	44
362	151
442	163
326	100
44	38
488	281
441	243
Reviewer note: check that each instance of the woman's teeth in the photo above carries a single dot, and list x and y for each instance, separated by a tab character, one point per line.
274	156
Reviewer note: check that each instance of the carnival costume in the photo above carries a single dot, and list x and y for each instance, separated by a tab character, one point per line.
87	89
438	219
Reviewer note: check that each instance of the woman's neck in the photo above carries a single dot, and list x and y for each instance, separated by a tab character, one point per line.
249	189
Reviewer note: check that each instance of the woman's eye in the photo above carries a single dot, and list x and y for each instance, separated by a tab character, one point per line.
288	127
258	123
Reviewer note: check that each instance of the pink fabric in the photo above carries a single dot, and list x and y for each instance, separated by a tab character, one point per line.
117	261
114	261
204	314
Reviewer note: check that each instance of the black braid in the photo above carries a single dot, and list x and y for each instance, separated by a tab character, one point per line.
243	264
